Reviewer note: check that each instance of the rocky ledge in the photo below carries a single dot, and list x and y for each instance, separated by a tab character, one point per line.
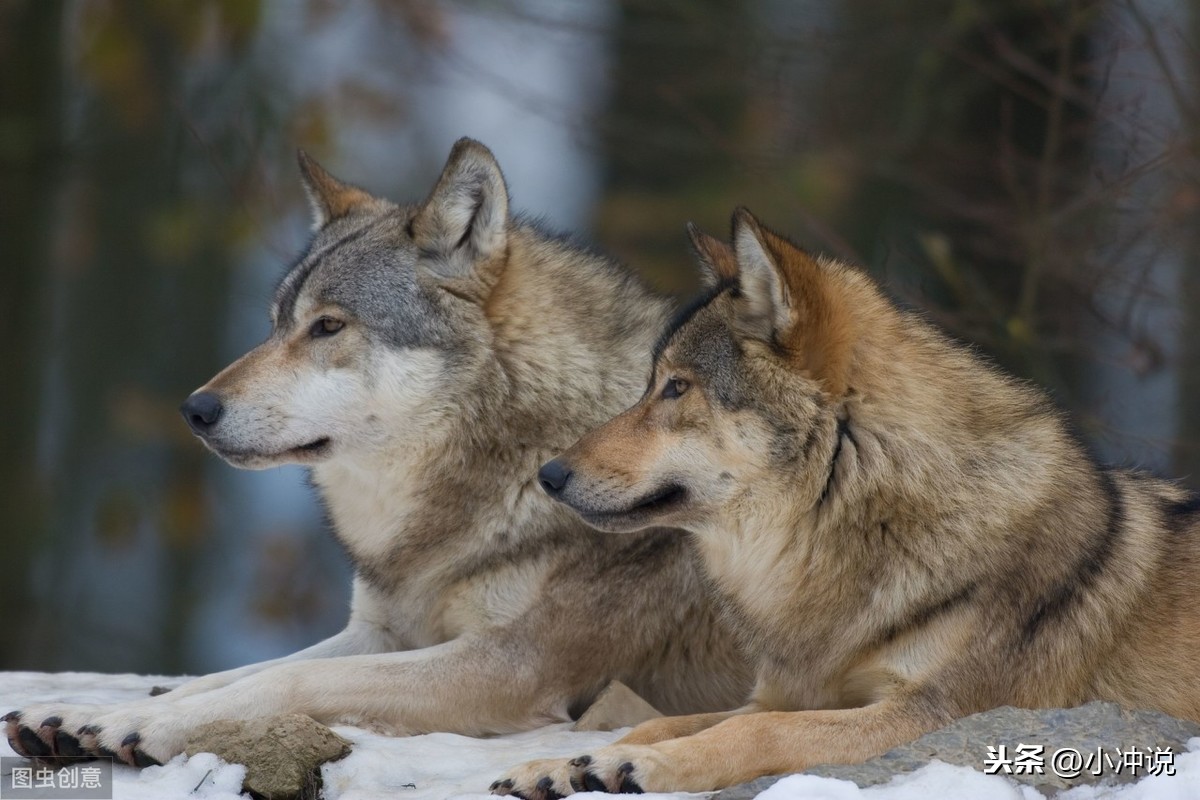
1097	728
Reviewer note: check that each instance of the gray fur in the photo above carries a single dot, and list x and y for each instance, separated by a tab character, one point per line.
368	267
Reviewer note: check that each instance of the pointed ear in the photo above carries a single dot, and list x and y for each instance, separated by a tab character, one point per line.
718	264
328	197
464	222
766	304
802	301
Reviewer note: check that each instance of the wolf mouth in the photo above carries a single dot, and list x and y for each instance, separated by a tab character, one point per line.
664	498
316	447
660	500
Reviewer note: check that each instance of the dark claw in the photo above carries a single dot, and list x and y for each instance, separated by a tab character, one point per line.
593	784
546	787
628	784
129	754
31	744
12	722
89	730
52	722
155	691
495	785
67	745
582	761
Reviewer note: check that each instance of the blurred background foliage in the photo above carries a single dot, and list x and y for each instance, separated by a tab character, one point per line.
1025	171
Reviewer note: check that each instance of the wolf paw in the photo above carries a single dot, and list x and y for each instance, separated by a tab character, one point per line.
46	732
617	769
128	737
627	769
52	733
547	779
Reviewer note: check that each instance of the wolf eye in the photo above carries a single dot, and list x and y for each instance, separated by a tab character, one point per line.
325	326
674	388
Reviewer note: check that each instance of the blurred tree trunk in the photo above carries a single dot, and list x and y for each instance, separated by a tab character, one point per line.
146	233
162	164
30	152
1187	448
972	134
673	128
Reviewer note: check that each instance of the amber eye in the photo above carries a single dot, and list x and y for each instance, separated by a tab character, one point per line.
325	326
675	387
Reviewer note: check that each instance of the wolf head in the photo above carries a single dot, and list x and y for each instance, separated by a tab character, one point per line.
743	404
370	325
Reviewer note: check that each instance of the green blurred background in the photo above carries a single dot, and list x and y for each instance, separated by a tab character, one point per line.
1025	171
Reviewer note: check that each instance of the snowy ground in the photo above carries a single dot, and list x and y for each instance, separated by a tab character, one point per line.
440	766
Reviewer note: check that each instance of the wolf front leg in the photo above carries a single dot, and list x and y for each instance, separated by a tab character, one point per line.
475	685
746	747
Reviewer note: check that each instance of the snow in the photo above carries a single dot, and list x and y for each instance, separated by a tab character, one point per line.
935	780
442	765
945	780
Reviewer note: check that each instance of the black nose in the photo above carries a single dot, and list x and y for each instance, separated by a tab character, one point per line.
202	410
553	476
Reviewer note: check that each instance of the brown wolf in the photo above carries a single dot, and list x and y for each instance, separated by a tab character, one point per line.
424	359
903	534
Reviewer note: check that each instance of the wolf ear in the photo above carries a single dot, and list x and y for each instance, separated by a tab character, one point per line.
765	301
465	219
328	197
718	264
787	297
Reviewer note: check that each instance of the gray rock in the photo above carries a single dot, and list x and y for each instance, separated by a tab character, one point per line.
965	742
747	791
282	754
617	706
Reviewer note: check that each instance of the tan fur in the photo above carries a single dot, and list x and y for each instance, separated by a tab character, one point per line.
821	338
902	534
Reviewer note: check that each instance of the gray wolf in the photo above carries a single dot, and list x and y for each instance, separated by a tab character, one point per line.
424	359
901	533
